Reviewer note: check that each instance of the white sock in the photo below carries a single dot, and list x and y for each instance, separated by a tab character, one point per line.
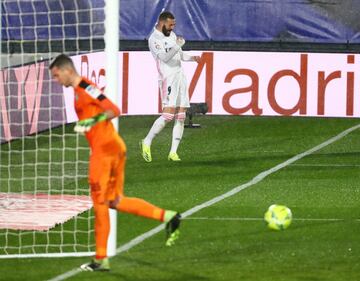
177	135
156	128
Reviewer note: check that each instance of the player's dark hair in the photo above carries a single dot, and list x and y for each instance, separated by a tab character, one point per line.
61	61
166	15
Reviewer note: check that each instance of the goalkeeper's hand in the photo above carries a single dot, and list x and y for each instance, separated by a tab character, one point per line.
85	125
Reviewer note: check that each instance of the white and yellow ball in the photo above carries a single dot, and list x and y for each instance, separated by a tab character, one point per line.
278	217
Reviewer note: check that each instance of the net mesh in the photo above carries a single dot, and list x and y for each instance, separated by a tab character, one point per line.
39	152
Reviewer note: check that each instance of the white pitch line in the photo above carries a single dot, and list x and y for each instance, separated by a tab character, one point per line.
261	219
326	165
132	243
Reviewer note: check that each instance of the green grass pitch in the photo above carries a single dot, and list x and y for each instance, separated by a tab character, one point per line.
218	243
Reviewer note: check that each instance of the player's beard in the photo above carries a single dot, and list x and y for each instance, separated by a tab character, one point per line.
166	31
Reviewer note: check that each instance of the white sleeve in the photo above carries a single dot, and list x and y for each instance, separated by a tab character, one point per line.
158	51
185	57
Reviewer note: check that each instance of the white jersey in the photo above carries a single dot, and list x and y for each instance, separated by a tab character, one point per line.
161	44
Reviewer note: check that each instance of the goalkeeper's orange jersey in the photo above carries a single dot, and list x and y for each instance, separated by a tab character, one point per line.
89	102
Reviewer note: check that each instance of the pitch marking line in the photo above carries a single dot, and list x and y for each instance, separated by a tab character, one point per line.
261	219
326	165
132	243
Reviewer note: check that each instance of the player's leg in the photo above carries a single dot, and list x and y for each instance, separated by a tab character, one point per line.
168	93
130	205
102	228
182	103
172	228
159	124
99	175
140	207
177	134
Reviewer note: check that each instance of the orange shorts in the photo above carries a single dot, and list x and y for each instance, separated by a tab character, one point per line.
106	177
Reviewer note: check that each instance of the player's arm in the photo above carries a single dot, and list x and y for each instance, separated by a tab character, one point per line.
186	57
110	110
159	52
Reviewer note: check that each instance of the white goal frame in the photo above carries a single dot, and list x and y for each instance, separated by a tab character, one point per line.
112	10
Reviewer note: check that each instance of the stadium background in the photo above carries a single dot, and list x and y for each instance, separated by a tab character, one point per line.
228	24
226	241
282	26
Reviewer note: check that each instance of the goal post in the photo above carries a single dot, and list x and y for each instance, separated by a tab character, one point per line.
112	9
45	207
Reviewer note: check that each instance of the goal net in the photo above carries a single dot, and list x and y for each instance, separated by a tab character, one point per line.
45	208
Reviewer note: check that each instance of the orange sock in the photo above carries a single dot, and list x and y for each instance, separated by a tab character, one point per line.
141	208
102	229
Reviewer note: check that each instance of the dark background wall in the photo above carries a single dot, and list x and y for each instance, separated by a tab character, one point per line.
52	25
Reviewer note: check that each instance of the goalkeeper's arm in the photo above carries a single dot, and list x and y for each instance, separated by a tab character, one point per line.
110	111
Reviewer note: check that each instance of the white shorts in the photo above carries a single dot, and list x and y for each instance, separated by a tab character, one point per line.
173	91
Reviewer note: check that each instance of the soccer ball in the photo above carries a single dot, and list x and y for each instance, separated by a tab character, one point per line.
278	217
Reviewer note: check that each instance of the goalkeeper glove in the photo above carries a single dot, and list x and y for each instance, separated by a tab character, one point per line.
85	125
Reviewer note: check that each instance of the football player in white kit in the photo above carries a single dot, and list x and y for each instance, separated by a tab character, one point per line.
165	47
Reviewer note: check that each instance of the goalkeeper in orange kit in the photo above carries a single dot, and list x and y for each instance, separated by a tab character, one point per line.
107	161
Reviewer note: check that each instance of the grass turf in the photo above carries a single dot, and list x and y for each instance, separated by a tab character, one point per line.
224	153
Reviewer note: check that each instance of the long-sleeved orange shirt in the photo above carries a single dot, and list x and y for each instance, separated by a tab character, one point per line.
89	102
